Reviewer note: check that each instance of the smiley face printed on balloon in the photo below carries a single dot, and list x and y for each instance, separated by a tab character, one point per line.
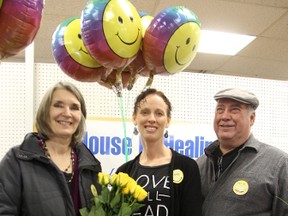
71	55
111	31
122	28
74	45
182	47
171	40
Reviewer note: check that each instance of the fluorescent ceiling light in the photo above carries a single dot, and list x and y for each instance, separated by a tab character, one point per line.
222	43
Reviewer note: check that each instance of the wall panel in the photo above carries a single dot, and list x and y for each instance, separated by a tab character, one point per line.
191	95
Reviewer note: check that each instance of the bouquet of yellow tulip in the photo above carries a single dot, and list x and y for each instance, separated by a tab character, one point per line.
120	196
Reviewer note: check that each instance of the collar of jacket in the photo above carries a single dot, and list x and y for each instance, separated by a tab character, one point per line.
30	149
250	143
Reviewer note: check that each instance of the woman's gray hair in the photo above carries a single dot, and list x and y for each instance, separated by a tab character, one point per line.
43	114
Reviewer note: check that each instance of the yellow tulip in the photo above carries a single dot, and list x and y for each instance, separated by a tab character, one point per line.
140	194
125	190
113	180
123	179
103	179
130	187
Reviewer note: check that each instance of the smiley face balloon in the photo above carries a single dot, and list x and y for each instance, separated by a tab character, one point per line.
138	66
71	54
171	40
111	31
19	24
145	21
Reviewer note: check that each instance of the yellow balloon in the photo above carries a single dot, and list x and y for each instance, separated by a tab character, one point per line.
122	28
186	37
75	46
145	22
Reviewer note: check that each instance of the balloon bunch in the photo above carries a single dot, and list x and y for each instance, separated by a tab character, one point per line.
19	24
113	44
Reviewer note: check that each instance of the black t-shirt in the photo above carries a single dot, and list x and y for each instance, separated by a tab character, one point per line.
155	180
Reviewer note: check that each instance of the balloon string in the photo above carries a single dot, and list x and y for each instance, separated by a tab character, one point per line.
124	126
127	103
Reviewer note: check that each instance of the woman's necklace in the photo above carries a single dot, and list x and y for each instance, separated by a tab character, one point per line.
45	149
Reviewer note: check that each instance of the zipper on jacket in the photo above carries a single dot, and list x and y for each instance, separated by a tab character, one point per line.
219	167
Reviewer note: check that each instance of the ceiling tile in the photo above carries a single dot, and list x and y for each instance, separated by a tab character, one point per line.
259	68
274	49
266	57
279	29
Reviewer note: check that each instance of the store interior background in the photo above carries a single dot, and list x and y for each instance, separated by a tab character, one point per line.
260	67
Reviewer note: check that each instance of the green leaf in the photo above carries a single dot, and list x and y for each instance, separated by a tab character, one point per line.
96	201
92	211
97	211
116	200
125	210
136	206
84	212
104	197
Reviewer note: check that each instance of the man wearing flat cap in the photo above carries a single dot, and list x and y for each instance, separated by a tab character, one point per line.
240	175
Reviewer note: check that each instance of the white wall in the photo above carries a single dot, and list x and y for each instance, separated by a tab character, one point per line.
191	95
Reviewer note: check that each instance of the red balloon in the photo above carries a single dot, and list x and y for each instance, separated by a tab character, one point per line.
111	77
19	24
138	66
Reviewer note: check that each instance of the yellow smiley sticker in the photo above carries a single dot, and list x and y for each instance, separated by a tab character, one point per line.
241	187
178	176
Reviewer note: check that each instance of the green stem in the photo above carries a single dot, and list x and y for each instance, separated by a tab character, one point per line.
134	201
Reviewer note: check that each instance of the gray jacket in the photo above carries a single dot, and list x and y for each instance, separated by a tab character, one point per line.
254	184
30	184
